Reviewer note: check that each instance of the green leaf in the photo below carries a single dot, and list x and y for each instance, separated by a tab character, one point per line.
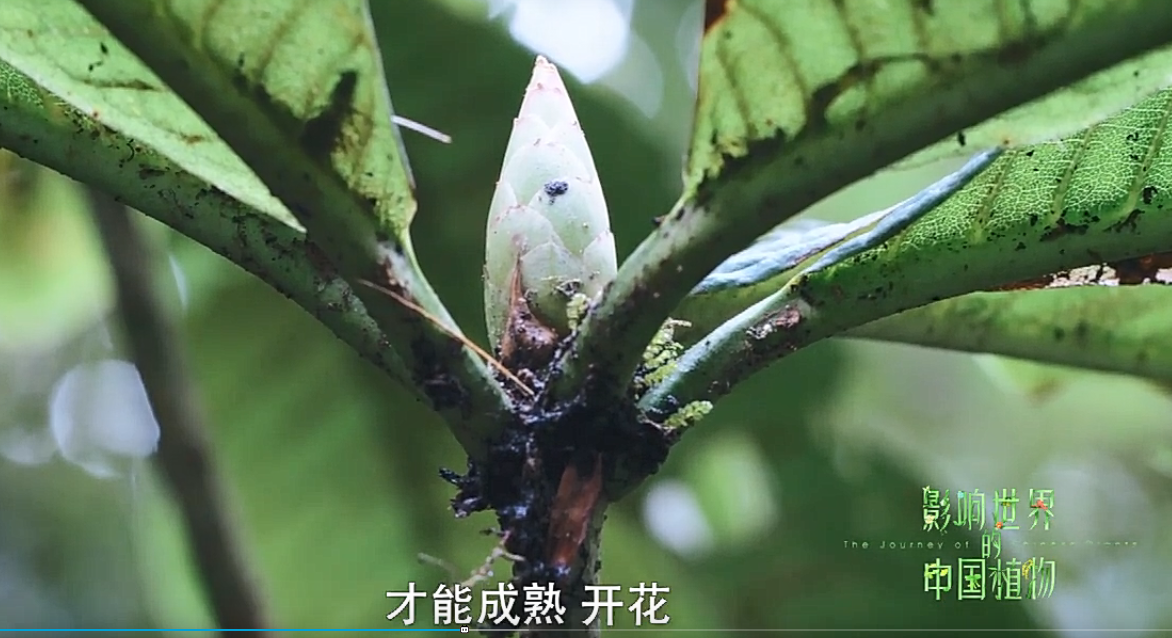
1099	196
41	128
1074	108
1096	197
296	90
60	48
302	77
1036	381
865	75
1114	329
798	100
754	273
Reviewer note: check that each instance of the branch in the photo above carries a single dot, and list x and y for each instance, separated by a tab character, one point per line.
185	455
303	158
783	171
758	271
762	333
575	597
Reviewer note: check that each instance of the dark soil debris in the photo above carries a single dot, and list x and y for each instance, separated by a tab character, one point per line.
546	474
1061	228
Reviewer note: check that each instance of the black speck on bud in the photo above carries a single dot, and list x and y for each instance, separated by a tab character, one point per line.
555	188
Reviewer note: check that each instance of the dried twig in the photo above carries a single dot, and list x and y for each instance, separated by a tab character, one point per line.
481	574
484	572
471	345
423	129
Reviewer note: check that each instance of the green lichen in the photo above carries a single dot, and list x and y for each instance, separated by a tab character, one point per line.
576	309
659	362
660	357
688	415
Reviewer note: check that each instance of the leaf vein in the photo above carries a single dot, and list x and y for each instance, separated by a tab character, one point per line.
280	31
199	29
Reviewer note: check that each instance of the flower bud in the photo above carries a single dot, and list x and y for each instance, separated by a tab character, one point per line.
548	229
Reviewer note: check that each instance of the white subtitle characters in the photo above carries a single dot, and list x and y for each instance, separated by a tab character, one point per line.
452	606
408	597
650	595
543	605
540	605
496	605
610	603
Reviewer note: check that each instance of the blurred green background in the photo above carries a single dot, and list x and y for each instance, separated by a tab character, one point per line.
333	468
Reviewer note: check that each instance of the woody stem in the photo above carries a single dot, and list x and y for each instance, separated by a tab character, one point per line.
576	595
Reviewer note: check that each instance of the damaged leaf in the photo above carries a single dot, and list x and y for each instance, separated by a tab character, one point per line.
1148	269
